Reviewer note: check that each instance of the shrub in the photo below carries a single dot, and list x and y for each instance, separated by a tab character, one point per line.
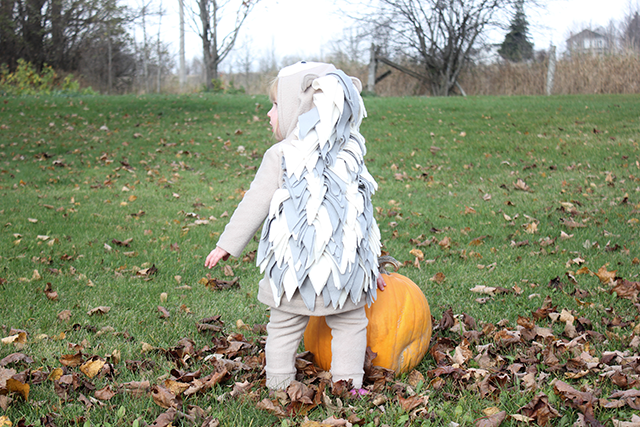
26	80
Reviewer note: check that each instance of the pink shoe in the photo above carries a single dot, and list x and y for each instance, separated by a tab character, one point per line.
358	392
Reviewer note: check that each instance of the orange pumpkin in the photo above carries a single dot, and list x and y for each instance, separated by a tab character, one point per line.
399	327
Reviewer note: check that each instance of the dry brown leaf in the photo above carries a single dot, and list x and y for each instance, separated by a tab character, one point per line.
105	393
50	293
125	243
92	367
417	253
531	228
228	271
55	374
521	185
166	418
164	397
469	210
445	243
99	310
137	388
17	386
626	289
64	315
439	278
412	402
462	353
18	339
241	388
604	275
493	420
540	409
5	374
415	378
72	360
272	407
164	313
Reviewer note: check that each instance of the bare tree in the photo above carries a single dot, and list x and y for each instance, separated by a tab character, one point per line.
351	47
438	36
631	31
216	41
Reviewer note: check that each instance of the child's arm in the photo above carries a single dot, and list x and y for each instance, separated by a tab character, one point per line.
379	282
216	255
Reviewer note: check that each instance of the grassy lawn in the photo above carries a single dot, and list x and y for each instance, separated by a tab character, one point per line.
517	216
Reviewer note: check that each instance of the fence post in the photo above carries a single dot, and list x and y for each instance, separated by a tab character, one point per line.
551	69
371	83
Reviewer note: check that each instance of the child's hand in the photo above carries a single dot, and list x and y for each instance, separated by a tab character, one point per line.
214	256
380	282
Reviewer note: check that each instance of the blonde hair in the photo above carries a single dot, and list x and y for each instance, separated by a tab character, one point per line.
273	90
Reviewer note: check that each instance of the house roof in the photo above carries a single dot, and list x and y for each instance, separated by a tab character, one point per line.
586	34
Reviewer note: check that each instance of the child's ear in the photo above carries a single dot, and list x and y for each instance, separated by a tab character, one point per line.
357	83
307	81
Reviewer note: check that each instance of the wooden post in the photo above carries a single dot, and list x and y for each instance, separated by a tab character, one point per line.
371	83
551	69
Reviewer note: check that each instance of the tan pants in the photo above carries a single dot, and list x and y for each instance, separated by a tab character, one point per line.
348	346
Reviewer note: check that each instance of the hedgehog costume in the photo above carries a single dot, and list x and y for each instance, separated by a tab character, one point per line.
320	241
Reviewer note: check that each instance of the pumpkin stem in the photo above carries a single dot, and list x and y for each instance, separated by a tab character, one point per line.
387	259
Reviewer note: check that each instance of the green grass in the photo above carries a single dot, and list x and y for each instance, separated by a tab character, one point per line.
87	170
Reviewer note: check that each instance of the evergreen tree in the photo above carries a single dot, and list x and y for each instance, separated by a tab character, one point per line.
516	46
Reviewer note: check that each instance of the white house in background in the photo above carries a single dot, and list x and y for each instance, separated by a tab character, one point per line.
587	41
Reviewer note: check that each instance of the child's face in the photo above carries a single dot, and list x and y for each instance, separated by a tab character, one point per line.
273	118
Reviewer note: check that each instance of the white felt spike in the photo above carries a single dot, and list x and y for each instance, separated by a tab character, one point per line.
319	273
290	284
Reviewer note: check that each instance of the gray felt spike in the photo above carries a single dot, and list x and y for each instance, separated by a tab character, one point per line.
308	121
326	296
308	294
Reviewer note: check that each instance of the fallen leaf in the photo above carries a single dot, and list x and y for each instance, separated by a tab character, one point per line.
164	397
137	388
17	386
92	367
492	420
99	310
64	315
72	360
105	393
540	409
166	418
50	293
521	185
604	275
272	407
18	339
439	278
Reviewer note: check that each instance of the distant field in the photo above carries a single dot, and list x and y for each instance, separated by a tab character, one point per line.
519	218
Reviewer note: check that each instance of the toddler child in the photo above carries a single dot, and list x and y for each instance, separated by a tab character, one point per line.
320	242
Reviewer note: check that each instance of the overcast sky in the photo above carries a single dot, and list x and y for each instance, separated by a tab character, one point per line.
304	27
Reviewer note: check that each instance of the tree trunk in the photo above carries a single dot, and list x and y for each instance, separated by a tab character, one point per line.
8	54
206	43
182	75
57	35
110	62
145	50
34	33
